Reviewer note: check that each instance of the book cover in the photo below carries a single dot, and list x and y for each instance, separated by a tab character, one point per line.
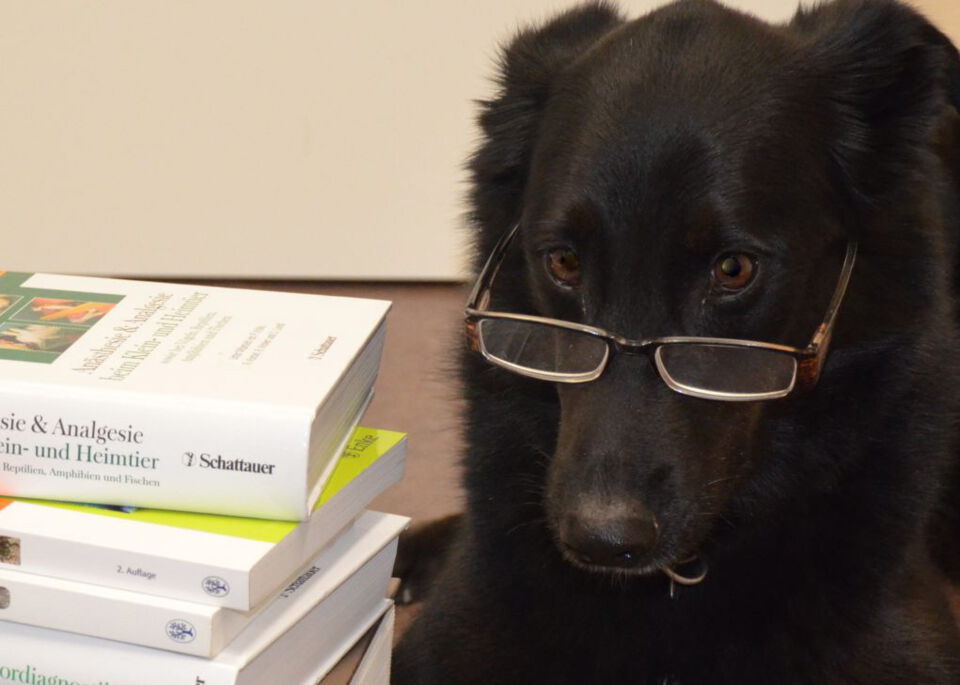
368	662
359	561
176	396
226	561
374	668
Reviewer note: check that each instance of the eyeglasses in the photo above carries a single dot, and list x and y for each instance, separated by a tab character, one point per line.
712	368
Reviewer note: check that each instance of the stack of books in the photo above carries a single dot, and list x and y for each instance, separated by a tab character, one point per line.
216	431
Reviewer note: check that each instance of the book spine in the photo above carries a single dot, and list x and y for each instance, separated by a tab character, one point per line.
112	614
327	608
38	656
160	557
345	406
157	451
114	567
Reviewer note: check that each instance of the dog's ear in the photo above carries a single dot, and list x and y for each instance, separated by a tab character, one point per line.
889	77
510	121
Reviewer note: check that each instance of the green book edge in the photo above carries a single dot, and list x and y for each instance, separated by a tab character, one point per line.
365	447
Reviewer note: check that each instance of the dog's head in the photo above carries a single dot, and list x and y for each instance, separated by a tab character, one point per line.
698	172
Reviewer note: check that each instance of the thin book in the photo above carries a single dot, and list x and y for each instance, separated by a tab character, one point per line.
367	663
232	562
355	568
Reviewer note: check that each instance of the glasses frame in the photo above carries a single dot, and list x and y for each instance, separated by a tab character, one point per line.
809	360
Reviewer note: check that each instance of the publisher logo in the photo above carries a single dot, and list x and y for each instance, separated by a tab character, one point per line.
181	631
207	460
215	586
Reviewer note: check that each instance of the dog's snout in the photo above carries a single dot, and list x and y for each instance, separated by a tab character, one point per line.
610	536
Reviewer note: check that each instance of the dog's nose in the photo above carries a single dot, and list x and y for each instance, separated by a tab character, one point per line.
615	537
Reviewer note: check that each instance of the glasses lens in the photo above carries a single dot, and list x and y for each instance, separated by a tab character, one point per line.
542	349
732	370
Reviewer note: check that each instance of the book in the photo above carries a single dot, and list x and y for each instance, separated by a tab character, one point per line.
368	662
374	668
299	656
180	397
355	569
231	562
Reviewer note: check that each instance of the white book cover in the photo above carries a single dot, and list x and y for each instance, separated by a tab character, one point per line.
374	669
233	562
181	397
360	557
290	642
368	661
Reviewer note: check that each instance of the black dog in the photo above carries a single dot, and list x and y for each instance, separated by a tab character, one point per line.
699	173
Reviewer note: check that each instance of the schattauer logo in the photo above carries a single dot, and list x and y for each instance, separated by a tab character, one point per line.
181	631
205	460
215	586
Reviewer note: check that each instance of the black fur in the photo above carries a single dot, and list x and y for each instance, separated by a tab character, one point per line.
651	146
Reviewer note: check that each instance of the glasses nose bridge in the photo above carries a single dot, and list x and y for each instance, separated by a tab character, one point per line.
635	348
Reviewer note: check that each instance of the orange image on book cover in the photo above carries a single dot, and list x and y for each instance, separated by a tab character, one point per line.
55	309
39	324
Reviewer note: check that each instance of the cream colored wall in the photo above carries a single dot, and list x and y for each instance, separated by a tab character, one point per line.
290	138
946	14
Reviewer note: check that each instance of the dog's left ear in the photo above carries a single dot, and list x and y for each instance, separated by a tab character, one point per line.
889	77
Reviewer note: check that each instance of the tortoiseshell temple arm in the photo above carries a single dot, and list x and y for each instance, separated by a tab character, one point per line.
480	295
810	362
479	298
473	335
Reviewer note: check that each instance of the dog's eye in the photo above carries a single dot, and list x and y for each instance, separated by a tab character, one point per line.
734	271
564	266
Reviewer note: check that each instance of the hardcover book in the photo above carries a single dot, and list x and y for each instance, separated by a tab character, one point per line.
231	562
358	563
179	397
